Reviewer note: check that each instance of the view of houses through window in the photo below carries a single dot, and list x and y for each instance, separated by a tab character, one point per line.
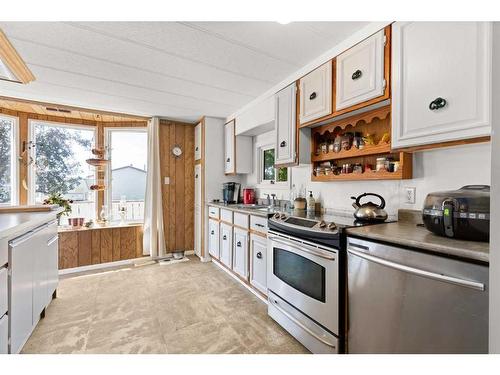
127	148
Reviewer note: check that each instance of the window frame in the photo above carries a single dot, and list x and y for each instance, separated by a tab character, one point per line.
14	163
261	182
108	194
31	167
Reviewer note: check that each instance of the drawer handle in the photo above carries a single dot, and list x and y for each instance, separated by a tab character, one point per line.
212	232
437	104
238	244
283	144
312	96
259	225
224	237
357	74
259	255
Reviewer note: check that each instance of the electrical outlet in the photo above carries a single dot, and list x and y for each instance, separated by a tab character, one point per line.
410	193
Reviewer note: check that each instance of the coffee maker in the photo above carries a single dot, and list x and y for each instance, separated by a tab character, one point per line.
231	192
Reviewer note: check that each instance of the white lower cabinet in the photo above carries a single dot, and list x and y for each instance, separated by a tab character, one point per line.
240	252
258	262
4	334
213	238
226	244
3	291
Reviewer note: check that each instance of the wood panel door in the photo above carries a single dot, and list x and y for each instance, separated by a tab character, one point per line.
178	193
316	93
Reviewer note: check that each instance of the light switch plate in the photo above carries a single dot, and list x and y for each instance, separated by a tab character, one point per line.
167	180
410	193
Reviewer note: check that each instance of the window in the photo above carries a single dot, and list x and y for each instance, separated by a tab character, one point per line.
8	160
267	173
59	165
126	174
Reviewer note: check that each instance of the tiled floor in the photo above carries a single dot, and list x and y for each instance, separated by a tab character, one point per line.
188	307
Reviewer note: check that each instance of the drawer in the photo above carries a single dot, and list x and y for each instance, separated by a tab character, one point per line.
4	334
241	220
258	223
226	215
3	291
4	251
213	212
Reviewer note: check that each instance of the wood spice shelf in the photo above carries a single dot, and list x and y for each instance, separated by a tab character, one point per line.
384	148
370	175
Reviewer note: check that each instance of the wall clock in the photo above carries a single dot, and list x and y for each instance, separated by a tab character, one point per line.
177	151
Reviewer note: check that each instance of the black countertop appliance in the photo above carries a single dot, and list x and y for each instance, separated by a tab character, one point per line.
462	213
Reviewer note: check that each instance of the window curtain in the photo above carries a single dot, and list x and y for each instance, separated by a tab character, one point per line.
154	237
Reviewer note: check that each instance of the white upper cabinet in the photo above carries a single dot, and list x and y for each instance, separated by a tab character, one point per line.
229	148
360	72
316	93
285	125
197	142
237	151
441	73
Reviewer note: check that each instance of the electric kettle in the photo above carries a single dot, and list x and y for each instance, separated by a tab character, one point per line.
369	211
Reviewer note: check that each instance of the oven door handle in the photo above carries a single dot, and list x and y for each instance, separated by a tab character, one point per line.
304	248
301	325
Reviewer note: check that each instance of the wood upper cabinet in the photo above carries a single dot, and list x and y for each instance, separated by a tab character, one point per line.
237	151
197	142
359	72
285	125
316	93
441	73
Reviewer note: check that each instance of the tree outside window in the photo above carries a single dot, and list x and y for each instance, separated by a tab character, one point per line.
6	157
269	173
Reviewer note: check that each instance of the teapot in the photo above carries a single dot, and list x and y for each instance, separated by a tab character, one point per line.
369	211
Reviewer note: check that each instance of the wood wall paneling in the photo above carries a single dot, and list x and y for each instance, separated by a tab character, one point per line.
178	196
68	258
128	238
116	243
84	248
106	246
96	247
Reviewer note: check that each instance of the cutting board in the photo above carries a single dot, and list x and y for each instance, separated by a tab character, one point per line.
28	208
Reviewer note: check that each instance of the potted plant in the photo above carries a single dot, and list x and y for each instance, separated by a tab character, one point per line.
56	198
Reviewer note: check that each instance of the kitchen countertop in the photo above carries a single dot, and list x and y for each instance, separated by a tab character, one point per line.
409	234
15	223
238	208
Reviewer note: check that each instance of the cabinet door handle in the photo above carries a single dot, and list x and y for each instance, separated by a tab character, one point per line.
238	244
224	237
196	176
212	232
283	144
259	225
259	255
357	74
228	159
196	148
437	104
313	95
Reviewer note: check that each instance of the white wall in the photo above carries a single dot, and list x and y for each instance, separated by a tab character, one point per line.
433	170
495	201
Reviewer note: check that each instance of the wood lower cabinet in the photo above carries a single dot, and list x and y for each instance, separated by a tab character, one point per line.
85	247
240	252
226	244
441	78
258	262
213	238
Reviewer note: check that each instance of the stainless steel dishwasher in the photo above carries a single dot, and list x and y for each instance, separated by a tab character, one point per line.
406	301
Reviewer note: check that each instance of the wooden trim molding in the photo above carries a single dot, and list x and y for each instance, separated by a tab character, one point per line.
13	61
445	144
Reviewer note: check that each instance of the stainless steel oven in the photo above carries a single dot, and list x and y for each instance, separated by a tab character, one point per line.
303	283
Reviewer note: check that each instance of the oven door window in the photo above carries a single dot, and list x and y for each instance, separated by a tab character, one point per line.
300	273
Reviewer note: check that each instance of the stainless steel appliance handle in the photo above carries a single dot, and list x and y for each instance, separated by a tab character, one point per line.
416	271
305	248
305	328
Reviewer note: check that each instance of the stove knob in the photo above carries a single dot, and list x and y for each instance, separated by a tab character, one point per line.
332	226
276	216
322	224
283	216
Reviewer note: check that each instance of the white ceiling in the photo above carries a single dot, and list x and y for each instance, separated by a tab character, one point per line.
179	70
